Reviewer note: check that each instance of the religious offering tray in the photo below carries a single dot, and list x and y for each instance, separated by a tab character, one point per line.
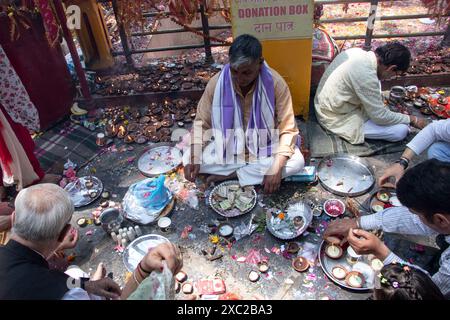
229	199
84	190
290	224
159	160
345	175
347	269
383	199
137	249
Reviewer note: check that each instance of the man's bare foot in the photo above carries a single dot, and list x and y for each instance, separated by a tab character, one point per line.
100	273
213	178
51	178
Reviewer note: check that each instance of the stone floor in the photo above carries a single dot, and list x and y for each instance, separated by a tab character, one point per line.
118	171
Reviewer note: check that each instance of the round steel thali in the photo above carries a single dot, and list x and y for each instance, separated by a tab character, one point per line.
80	194
234	212
159	160
300	209
328	264
137	249
345	175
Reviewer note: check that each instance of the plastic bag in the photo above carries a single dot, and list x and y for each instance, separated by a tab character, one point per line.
157	286
145	199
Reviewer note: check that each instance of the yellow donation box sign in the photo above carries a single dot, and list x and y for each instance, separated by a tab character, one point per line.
285	28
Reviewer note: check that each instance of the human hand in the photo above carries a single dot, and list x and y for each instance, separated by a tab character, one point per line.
396	170
271	183
167	252
364	242
191	172
105	287
69	241
418	123
340	228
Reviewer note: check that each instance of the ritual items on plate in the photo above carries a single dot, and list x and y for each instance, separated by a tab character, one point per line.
230	199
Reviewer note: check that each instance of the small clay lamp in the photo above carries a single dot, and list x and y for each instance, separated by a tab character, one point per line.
141	139
132	127
298	222
263	266
82	222
293	247
333	251
110	130
253	276
105	195
144	119
181	276
89	184
93	194
339	272
187	288
383	196
300	264
377	206
355	279
122	131
129	139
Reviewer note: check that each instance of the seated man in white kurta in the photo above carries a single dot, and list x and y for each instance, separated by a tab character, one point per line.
349	103
247	109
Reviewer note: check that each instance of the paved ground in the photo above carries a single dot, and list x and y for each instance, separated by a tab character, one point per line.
118	171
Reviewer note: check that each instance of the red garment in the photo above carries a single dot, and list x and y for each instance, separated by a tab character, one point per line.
24	137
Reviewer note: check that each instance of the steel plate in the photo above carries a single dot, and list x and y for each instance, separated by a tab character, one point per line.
159	160
137	249
80	195
234	212
328	264
297	209
345	175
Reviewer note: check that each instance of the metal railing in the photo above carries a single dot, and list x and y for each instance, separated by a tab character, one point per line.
206	28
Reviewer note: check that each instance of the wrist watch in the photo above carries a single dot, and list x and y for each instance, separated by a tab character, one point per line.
403	162
83	282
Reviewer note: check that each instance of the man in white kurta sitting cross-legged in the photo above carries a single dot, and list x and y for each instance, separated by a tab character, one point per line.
245	126
349	102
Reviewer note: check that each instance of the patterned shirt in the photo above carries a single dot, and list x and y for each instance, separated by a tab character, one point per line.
401	220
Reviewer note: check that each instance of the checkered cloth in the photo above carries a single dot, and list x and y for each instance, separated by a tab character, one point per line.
65	141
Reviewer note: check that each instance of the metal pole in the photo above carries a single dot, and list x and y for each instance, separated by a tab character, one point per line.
207	41
370	24
73	50
123	35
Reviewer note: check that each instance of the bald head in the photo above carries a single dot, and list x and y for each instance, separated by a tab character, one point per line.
41	212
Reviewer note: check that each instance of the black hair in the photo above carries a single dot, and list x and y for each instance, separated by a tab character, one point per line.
426	188
246	46
394	53
401	282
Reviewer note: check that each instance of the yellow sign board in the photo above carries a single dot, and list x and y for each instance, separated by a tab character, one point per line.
273	19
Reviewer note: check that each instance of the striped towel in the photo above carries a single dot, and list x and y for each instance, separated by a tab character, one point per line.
227	120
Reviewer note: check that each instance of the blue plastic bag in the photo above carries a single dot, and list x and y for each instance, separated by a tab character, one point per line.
145	199
151	193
